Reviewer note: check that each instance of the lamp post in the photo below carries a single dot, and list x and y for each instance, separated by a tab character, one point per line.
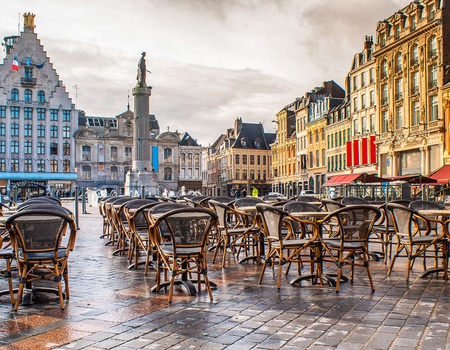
214	190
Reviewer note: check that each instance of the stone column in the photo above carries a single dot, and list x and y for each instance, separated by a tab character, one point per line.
141	139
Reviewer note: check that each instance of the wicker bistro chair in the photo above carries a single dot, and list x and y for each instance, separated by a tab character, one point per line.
137	231
235	234
7	254
41	250
350	228
288	248
184	253
416	236
427	205
102	211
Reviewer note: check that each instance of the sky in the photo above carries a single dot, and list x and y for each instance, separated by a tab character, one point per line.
211	61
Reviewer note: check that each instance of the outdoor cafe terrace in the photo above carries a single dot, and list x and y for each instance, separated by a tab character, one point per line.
114	306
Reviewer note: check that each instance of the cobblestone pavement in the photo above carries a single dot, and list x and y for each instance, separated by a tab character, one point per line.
113	307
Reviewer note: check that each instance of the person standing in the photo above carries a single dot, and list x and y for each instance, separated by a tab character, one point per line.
255	192
244	193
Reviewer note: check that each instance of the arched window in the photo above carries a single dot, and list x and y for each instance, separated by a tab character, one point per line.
41	96
14	94
28	95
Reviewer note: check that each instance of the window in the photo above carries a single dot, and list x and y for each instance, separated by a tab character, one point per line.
416	113
41	96
41	131
264	160
168	174
355	83
356	130
114	173
372	122
41	165
244	159
28	74
2	164
86	172
384	69
372	98
28	113
168	156
40	113
41	148
237	174
14	147
28	130
28	95
66	116
398	117
398	89
364	124
2	129
397	31
371	76
15	111
355	104
432	47
363	101
196	159
415	83
2	111
244	174
86	153
53	114
66	166
128	152
252	159
14	94
398	62
317	158
66	132
53	165
433	108
414	55
28	166
384	94
54	131
14	129
363	79
258	160
113	153
384	121
54	148
432	83
2	146
413	22
66	149
14	165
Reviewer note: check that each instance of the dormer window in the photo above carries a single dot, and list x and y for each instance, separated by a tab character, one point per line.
258	144
243	142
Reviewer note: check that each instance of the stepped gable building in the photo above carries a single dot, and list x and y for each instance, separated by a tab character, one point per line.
37	121
412	65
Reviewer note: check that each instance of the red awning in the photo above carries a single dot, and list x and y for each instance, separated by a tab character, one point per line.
442	175
338	180
347	179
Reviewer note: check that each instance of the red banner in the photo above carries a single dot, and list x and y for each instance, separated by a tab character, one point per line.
373	150
364	150
355	152
349	154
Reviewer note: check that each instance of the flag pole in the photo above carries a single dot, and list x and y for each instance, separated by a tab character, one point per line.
18	25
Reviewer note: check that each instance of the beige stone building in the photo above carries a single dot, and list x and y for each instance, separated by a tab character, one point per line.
411	59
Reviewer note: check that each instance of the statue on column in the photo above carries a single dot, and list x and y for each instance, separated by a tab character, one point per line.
141	72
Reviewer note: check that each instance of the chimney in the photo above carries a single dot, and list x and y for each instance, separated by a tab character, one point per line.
368	43
237	125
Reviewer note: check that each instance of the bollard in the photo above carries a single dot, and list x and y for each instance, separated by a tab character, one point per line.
76	207
143	192
83	200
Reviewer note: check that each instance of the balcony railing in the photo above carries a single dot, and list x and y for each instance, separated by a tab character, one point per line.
398	96
414	61
432	84
384	101
27	81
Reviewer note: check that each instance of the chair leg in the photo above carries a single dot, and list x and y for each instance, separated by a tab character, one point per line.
9	277
280	269
369	275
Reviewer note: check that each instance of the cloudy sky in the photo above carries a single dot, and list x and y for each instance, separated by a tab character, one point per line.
211	60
